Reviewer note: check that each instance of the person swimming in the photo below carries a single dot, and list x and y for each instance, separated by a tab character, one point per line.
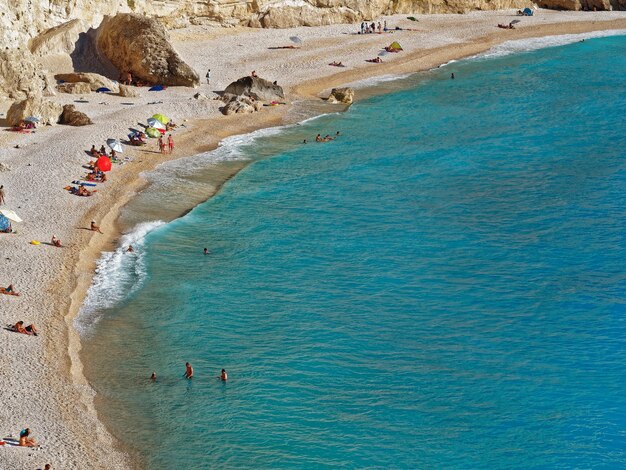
206	251
153	377
223	375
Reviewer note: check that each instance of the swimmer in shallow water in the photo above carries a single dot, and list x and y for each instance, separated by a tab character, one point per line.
188	371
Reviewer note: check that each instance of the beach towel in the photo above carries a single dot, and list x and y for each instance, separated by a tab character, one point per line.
156	88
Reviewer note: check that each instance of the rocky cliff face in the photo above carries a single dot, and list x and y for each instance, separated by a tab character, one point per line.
23	20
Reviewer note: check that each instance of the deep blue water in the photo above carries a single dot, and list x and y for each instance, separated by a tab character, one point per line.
443	286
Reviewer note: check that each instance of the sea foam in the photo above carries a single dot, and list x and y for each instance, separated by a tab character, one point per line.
118	274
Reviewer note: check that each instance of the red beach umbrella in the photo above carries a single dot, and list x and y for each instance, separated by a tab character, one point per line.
103	164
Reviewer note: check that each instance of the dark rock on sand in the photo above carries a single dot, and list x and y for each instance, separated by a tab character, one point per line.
341	95
71	117
257	88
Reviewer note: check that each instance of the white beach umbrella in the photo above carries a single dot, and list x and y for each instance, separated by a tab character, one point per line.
9	214
295	40
115	144
32	119
155	123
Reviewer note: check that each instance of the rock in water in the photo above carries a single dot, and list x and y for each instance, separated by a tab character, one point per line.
341	95
94	80
141	45
47	111
71	117
257	88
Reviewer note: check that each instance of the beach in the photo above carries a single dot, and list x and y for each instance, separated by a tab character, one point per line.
42	383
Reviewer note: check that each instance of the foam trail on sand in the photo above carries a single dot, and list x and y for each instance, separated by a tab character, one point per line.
118	274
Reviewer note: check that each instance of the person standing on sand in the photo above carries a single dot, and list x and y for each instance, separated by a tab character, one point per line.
170	142
161	144
2	194
188	371
208	77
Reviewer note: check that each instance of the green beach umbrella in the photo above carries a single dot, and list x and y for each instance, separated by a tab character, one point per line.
161	118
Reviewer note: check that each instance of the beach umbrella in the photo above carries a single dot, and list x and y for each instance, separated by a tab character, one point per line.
515	21
295	40
161	118
103	89
32	119
383	52
4	223
103	164
9	214
152	132
115	144
155	123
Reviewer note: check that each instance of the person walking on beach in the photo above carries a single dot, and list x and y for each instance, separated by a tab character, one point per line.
170	143
94	227
208	77
161	144
188	371
2	194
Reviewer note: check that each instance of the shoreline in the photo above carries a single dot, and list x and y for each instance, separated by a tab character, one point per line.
77	267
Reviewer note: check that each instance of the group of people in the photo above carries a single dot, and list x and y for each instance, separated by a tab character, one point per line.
372	28
326	138
166	147
189	374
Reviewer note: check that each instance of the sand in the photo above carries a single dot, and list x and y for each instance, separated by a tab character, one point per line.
41	381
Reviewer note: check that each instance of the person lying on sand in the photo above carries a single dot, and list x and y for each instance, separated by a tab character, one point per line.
26	440
253	74
82	191
506	26
94	228
26	330
376	60
336	64
284	47
55	241
9	290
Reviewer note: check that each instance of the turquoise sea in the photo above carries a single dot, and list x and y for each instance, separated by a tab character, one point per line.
443	286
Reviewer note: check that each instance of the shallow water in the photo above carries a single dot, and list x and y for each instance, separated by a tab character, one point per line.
442	286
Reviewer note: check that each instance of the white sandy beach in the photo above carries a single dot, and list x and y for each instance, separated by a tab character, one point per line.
41	382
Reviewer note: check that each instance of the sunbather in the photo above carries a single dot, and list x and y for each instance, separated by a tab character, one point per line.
26	440
55	241
9	290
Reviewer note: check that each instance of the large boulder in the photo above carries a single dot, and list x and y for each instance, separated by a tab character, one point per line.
128	91
61	39
47	111
21	76
256	87
341	95
71	117
141	45
94	80
240	105
78	88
